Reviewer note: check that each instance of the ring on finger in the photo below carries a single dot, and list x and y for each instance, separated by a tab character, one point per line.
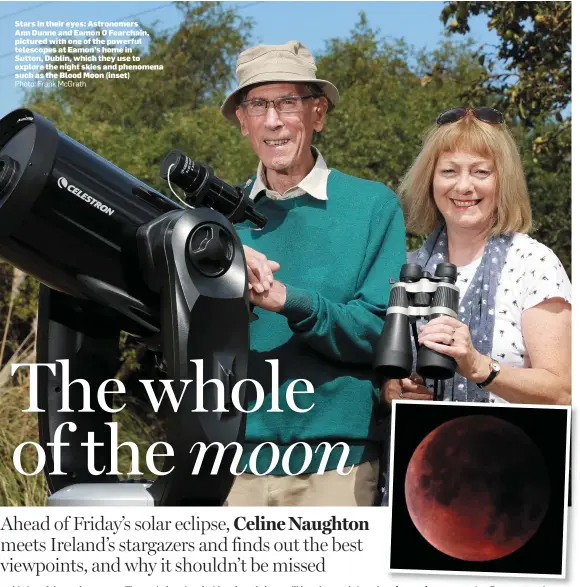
401	394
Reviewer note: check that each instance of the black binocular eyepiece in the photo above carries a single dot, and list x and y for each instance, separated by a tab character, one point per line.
417	295
412	272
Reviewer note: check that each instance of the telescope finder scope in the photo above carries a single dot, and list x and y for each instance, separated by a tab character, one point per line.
203	188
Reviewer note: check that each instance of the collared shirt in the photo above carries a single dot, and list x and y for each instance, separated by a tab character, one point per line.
314	183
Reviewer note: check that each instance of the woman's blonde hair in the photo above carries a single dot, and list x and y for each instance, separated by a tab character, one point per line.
469	134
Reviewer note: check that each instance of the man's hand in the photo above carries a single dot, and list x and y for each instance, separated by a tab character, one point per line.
411	388
272	300
260	271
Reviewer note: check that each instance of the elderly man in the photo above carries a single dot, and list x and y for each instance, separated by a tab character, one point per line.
333	241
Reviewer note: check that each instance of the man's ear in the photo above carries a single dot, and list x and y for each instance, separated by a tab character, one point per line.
319	114
242	118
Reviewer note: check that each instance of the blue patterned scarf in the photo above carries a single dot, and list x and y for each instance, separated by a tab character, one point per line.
476	308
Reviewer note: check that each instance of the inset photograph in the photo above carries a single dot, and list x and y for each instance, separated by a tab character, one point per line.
479	489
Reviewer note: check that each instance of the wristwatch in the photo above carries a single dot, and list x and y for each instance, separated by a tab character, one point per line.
495	369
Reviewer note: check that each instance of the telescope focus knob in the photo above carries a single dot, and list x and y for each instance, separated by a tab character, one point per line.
211	249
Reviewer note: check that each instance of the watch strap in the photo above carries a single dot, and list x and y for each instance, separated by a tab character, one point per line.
492	375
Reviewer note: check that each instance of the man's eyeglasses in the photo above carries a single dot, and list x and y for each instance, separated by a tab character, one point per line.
483	113
283	105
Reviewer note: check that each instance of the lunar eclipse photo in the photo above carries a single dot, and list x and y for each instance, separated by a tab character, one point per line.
479	488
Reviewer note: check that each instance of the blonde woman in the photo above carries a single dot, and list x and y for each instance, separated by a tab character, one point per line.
512	339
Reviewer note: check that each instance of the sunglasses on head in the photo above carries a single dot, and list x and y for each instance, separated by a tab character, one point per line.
483	113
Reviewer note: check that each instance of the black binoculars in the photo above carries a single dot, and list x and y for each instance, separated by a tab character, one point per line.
417	295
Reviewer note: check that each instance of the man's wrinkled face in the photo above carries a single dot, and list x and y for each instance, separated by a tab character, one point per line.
282	140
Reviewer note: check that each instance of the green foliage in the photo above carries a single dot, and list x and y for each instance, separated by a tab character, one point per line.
530	74
135	122
386	103
549	181
17	427
18	293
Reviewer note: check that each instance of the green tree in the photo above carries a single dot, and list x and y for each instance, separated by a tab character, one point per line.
549	184
530	74
386	102
134	123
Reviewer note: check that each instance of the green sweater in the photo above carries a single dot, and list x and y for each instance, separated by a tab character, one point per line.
336	258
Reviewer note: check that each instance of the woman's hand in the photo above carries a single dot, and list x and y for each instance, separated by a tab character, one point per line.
451	337
260	270
411	388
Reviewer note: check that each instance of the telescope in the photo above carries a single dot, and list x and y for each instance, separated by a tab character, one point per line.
112	255
417	295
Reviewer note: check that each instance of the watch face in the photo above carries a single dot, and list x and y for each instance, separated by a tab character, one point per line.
495	366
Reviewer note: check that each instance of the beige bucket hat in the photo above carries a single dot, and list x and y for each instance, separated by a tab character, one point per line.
291	62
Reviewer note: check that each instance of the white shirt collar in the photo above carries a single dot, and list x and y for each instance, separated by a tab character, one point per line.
314	183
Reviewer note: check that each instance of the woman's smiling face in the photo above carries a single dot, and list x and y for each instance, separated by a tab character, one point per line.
465	189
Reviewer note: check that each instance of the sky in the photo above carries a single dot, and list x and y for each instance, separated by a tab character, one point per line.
274	23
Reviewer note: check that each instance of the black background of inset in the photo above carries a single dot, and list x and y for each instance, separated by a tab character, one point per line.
542	554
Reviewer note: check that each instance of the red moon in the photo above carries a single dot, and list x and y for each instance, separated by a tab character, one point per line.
477	488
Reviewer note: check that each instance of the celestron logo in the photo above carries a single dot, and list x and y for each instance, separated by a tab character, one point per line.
65	185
